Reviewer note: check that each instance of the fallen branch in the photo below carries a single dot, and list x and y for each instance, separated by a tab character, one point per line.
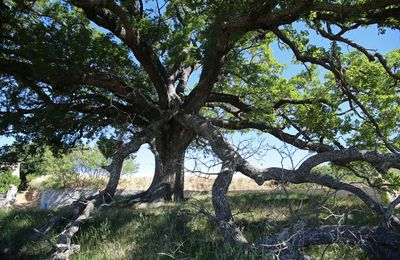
380	242
84	208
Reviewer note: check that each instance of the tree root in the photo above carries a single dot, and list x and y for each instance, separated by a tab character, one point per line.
161	193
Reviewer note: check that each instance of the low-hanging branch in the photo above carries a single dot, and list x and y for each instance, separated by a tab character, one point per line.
289	244
303	173
86	207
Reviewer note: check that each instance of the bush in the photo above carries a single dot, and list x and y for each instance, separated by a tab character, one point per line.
6	179
78	168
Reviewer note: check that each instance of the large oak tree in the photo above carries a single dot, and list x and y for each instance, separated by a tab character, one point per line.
72	70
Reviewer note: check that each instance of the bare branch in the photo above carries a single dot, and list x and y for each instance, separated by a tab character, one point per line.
370	56
369	238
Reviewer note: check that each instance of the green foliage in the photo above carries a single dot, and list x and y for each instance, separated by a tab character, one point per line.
107	146
81	167
182	33
43	167
59	168
375	88
7	179
72	47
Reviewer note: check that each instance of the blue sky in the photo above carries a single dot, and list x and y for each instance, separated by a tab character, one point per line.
368	37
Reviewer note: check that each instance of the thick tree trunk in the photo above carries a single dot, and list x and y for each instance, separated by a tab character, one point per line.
169	151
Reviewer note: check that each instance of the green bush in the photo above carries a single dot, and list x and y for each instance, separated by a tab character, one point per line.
60	171
6	179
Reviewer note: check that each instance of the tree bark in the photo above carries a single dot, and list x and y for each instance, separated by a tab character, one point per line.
169	149
84	208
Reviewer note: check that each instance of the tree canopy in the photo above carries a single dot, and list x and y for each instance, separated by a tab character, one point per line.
167	73
88	78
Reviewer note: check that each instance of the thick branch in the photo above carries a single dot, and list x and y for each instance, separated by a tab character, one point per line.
118	158
109	15
269	16
285	101
230	99
218	45
303	174
276	132
85	208
372	240
263	18
223	213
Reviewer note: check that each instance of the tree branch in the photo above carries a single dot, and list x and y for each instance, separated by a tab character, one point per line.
89	77
285	101
370	239
370	56
230	99
109	15
276	132
303	174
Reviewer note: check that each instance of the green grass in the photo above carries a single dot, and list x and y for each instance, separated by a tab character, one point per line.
177	231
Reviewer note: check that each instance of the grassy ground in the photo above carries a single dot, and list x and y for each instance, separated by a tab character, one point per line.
178	231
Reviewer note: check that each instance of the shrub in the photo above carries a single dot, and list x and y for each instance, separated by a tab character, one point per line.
6	179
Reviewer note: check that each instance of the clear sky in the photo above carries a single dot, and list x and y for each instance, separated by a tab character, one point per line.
367	37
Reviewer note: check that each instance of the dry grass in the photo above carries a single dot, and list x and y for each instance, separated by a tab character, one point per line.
195	183
242	183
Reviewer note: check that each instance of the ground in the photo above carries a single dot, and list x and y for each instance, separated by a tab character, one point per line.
178	231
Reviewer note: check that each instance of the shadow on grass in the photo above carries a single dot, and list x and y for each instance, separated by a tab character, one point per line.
16	231
173	230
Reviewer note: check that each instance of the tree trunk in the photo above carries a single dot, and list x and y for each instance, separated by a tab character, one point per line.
169	151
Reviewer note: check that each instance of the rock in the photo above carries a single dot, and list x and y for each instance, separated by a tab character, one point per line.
10	197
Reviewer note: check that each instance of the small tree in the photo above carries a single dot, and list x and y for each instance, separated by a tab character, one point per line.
7	179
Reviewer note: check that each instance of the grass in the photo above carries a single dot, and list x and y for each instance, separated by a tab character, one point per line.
195	183
177	231
140	182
